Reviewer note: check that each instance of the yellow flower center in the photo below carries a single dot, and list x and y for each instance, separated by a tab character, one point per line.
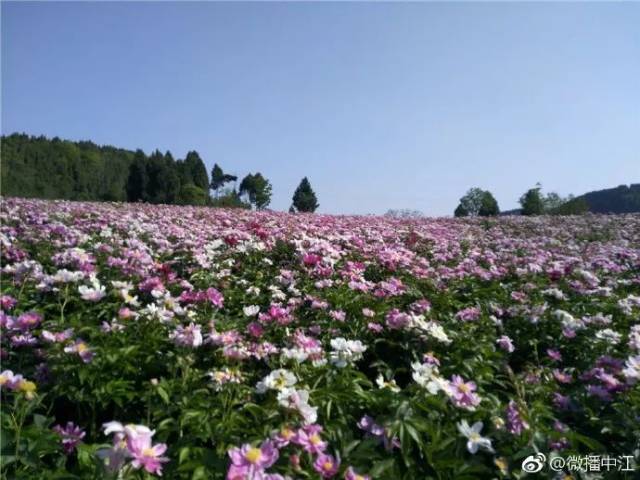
315	439
3	379
253	455
327	465
148	452
464	388
82	347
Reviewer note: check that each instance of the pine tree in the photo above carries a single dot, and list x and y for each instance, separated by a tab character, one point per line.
197	171
304	198
137	181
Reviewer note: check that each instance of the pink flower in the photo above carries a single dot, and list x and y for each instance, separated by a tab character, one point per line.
57	337
71	436
252	458
515	423
309	438
470	314
375	327
81	348
554	354
326	465
284	437
10	380
463	393
506	344
311	259
397	319
255	329
189	336
215	297
28	320
7	302
125	313
145	455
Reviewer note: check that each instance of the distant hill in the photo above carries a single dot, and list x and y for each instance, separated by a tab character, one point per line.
621	199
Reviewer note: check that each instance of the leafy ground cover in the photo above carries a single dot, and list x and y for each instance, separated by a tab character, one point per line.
142	340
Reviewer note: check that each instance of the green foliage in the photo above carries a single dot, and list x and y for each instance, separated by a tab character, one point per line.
532	202
219	178
571	206
54	168
229	199
460	211
192	195
622	199
196	171
59	169
304	198
477	202
257	189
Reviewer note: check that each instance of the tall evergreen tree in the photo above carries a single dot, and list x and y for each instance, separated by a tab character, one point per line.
197	171
137	181
172	181
304	198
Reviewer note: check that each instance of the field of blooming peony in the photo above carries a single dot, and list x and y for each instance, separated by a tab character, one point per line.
197	343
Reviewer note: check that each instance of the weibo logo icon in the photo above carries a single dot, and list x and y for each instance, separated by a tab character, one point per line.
534	463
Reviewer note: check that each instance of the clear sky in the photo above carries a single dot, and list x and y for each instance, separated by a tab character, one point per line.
381	105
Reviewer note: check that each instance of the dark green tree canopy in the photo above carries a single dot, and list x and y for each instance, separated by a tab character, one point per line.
477	202
304	198
532	202
219	178
196	171
257	189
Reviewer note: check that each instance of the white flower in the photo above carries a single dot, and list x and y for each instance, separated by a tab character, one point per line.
568	321
634	337
279	379
426	376
346	351
632	369
609	336
555	293
475	440
92	294
65	276
298	400
251	310
297	354
255	291
391	384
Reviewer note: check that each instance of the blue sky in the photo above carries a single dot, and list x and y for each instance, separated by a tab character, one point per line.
381	105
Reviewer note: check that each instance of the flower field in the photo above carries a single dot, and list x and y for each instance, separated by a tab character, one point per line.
197	343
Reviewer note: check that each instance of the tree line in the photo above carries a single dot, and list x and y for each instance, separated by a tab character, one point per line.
40	167
482	203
